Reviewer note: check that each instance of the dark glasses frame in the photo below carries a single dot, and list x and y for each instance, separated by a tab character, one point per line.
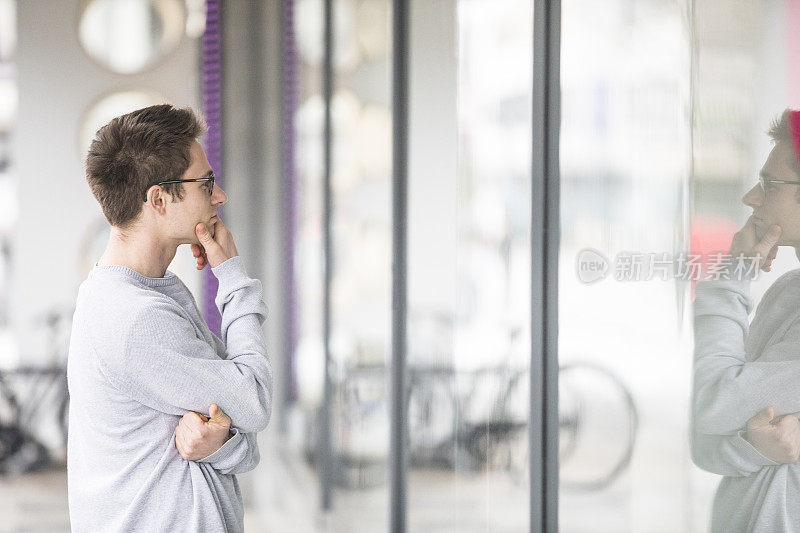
763	181
210	178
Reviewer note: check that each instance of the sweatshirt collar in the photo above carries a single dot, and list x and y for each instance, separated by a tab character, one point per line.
168	279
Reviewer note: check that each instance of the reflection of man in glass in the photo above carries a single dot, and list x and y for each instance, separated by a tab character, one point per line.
163	413
747	376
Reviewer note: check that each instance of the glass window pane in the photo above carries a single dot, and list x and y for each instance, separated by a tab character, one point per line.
361	256
469	264
361	264
624	342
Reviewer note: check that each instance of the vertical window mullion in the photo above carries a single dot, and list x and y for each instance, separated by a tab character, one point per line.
398	448
326	451
543	416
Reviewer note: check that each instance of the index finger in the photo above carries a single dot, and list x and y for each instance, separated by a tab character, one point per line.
768	241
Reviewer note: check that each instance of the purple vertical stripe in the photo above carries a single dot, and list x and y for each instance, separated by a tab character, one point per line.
212	110
290	98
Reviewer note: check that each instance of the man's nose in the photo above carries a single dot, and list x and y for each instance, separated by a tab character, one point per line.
754	197
219	197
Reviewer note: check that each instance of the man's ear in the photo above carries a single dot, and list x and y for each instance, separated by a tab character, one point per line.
156	198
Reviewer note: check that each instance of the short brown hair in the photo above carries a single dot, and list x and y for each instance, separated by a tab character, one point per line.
133	152
781	130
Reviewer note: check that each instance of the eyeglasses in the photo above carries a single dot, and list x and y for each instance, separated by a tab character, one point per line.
209	179
764	181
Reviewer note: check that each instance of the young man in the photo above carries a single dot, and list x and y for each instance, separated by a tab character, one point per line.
747	373
163	413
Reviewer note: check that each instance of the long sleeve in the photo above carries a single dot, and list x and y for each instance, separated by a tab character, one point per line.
727	455
238	455
728	390
168	367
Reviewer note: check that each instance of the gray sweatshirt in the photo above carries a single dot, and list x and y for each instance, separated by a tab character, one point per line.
140	357
739	369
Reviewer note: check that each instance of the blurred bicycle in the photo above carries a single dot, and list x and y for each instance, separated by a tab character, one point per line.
33	397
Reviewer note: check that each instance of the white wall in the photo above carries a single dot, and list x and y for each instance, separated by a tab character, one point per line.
57	83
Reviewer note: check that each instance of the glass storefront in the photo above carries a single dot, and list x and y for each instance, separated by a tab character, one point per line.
664	106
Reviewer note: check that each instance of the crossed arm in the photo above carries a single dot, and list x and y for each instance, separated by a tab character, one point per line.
212	440
732	431
155	370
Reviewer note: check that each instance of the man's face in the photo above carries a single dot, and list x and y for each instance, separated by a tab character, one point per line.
778	203
197	205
